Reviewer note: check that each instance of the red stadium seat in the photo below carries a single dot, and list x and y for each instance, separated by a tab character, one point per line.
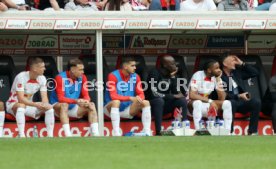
12	118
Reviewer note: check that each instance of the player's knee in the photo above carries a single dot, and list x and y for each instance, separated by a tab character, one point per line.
226	105
64	106
21	105
146	103
1	106
50	111
115	103
197	104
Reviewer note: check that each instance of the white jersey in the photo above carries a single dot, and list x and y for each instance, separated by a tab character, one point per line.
23	83
202	84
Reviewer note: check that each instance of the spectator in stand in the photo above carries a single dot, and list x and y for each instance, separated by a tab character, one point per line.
16	5
3	7
40	5
50	5
198	5
273	6
80	5
165	5
118	5
140	5
233	5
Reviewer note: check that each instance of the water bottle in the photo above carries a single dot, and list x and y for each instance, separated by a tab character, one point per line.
186	124
201	124
35	132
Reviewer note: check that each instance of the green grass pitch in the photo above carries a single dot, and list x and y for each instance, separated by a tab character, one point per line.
256	152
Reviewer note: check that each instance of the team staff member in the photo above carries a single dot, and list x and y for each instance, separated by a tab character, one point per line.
71	98
235	72
124	96
163	102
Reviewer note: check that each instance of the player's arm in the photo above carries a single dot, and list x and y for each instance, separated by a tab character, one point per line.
219	88
193	95
111	87
193	89
60	92
22	99
84	89
138	88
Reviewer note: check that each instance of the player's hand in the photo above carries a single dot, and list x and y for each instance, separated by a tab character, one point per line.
237	60
81	102
139	99
214	105
243	96
173	74
178	96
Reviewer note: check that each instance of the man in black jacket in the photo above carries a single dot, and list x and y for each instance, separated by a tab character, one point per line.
164	92
235	72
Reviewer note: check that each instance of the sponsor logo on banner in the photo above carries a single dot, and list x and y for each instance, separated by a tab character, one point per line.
19	52
150	41
66	24
116	42
183	51
18	24
42	42
2	23
225	42
262	41
271	24
114	24
76	41
90	24
187	41
75	52
12	41
161	24
8	52
231	24
254	24
65	52
138	24
184	24
42	24
208	24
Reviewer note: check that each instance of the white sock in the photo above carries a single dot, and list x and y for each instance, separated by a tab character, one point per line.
2	119
94	129
66	128
115	119
50	122
146	120
197	114
20	120
227	114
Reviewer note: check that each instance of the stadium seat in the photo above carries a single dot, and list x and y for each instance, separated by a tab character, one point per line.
89	62
201	59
